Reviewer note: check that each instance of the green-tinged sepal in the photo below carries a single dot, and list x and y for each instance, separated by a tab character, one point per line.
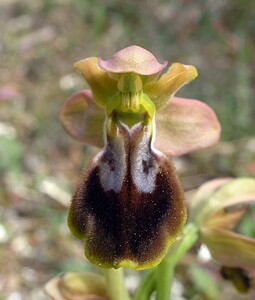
132	59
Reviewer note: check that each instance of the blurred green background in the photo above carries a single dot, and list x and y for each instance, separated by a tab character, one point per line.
39	163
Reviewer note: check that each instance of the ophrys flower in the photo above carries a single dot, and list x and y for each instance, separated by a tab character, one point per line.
129	205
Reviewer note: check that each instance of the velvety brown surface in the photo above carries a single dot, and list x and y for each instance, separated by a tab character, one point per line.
128	225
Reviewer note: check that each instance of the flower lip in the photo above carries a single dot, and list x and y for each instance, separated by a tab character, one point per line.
132	59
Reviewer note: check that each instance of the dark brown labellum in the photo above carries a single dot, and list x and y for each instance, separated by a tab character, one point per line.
128	205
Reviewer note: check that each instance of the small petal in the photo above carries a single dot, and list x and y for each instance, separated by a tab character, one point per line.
238	191
102	85
132	59
128	205
161	91
186	125
229	248
83	119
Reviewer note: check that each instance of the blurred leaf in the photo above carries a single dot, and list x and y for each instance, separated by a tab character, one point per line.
204	282
246	226
75	265
229	248
204	192
239	277
10	155
227	218
238	191
77	286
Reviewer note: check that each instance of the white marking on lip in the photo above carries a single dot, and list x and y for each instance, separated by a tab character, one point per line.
144	181
112	178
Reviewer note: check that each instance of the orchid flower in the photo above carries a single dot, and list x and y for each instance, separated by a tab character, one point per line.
128	206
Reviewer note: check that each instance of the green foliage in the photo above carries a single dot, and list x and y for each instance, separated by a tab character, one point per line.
74	265
10	155
204	282
246	226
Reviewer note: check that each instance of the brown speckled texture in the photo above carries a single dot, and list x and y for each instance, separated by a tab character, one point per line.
128	225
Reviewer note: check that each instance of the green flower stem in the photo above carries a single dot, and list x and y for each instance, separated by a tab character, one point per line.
115	284
165	270
147	286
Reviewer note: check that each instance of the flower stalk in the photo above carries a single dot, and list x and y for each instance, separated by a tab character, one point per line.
147	286
165	270
115	284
